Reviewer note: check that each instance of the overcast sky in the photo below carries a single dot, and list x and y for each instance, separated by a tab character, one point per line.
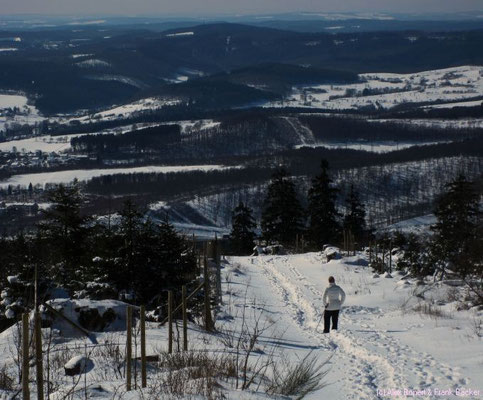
213	7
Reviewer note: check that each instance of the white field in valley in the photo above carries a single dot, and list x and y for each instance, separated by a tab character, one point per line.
28	114
382	343
61	143
450	85
58	177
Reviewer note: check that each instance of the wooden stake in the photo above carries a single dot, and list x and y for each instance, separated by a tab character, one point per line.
36	288
208	320
25	357
128	347
390	257
39	364
343	242
185	319
170	321
143	347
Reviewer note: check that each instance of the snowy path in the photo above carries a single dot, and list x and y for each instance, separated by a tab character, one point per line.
365	357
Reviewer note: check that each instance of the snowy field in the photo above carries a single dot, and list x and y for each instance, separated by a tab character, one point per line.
27	114
418	225
61	143
463	123
475	103
11	101
384	346
126	110
58	177
387	90
375	147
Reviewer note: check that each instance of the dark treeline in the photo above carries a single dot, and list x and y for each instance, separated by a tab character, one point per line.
141	140
280	78
178	112
446	113
256	132
175	183
304	160
341	129
301	162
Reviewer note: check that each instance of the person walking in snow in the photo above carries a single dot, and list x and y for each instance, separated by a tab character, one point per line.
333	299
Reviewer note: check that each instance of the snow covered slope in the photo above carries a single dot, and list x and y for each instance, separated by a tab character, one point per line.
387	90
384	346
382	343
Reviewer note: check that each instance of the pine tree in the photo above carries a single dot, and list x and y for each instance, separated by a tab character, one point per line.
415	258
129	231
242	234
282	215
66	230
458	228
355	217
323	216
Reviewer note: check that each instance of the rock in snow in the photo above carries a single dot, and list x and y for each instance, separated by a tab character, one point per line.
12	279
78	365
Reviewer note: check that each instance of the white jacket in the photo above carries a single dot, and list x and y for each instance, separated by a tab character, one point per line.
334	297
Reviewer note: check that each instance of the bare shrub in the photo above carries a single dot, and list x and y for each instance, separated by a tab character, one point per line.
7	382
453	294
477	327
111	352
430	310
190	373
199	364
298	379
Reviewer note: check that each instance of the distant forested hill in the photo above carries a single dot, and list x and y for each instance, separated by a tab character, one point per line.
217	65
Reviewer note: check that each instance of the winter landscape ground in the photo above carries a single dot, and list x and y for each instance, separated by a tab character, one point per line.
397	339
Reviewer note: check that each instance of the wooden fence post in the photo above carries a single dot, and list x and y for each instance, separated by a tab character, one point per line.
390	257
208	319
39	365
25	357
219	294
185	319
170	321
128	347
383	258
143	347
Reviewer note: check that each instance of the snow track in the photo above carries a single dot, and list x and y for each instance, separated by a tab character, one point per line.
367	358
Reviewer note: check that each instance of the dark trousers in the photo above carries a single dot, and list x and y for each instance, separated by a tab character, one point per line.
328	314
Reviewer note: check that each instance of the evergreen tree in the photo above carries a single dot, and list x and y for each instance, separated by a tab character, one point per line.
355	218
282	215
129	252
415	258
66	231
323	216
242	234
457	230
